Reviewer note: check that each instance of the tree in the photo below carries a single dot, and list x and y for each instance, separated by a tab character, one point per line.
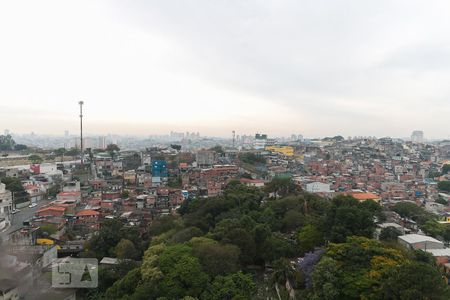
445	169
60	152
252	158
175	147
7	143
125	249
14	185
132	161
162	224
183	274
218	149
433	228
389	234
308	238
185	235
49	229
348	217
363	265
415	281
283	271
125	286
108	237
442	201
20	147
53	190
112	149
444	186
281	186
125	194
233	286
73	152
35	159
412	211
216	259
325	280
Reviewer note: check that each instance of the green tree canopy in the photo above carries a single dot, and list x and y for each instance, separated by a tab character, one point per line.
35	159
389	234
236	286
125	249
414	281
348	217
444	186
308	238
7	143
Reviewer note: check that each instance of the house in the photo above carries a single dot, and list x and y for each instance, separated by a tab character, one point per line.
74	196
318	187
252	182
442	256
88	218
52	211
417	241
362	196
35	192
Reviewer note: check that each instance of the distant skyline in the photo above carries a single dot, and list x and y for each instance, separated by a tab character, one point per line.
76	134
317	68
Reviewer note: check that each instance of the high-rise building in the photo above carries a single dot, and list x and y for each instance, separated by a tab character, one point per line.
101	142
260	141
205	157
417	136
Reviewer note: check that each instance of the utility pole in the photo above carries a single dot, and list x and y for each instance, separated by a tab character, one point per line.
81	130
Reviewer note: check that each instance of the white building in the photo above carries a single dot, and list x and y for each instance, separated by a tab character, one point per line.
417	241
417	136
5	206
318	187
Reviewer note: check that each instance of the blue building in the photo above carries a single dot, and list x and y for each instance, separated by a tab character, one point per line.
159	168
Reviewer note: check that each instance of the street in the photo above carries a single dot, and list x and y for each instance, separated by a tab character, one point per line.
17	219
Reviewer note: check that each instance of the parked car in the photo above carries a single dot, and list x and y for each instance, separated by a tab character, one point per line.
15	211
32	205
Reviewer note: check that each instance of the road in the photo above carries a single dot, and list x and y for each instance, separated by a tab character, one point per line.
18	218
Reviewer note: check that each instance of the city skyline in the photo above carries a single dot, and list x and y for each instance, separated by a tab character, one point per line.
153	67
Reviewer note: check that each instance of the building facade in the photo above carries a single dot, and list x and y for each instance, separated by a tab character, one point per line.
5	206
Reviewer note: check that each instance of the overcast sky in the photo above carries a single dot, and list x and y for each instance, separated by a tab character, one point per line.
318	68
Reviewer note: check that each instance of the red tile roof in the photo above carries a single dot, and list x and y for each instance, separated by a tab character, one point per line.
364	196
69	194
87	212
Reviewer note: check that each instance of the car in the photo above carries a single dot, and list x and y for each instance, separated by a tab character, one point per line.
32	205
15	211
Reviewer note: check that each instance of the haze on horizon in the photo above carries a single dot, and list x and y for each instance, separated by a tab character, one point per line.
318	68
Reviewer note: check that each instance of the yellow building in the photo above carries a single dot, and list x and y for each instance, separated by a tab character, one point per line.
44	242
285	150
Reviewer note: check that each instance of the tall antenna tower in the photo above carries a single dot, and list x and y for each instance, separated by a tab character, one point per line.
234	138
81	130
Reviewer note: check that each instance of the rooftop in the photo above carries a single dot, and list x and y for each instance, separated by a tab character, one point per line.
418	238
439	252
87	212
364	196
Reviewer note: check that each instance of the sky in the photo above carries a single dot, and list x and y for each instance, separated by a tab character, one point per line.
317	68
